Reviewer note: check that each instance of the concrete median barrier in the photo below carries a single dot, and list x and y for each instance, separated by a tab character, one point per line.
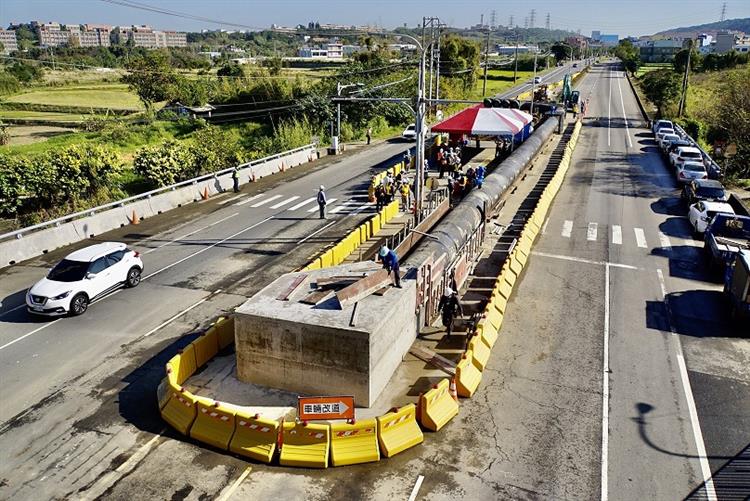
481	352
438	407
468	375
255	437
398	430
305	445
354	443
206	347
214	425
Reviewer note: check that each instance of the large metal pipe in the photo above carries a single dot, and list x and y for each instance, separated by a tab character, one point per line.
454	230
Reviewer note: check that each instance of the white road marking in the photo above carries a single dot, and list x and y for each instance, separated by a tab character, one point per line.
605	392
544	226
236	484
191	233
567	228
230	199
616	234
622	102
248	200
591	232
664	241
361	208
316	232
330	201
585	261
415	490
264	202
301	204
284	202
207	248
697	434
29	334
609	110
178	315
348	205
640	237
113	476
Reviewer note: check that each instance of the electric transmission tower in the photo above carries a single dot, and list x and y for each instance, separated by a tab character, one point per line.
723	11
526	23
532	18
493	16
510	22
546	23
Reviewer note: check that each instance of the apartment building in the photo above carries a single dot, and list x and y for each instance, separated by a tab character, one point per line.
55	34
9	41
145	36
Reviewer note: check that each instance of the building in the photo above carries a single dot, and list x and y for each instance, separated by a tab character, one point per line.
9	41
742	44
578	41
505	50
146	36
660	51
55	34
93	35
333	49
609	40
596	36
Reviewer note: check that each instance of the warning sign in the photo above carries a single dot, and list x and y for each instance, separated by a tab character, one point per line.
312	408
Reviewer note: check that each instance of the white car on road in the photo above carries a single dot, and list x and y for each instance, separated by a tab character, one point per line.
701	213
662	124
84	276
687	171
665	140
685	154
410	132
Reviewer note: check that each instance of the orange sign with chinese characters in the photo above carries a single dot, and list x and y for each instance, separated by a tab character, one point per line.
312	408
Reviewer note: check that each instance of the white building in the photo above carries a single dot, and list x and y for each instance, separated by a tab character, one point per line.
9	41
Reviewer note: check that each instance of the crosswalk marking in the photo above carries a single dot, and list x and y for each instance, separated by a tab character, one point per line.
284	202
640	237
591	233
348	205
330	201
248	200
664	241
230	199
616	234
264	202
362	207
302	204
567	228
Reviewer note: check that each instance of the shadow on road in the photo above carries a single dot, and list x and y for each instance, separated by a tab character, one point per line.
671	206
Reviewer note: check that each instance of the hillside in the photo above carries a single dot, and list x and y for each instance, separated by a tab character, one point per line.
742	24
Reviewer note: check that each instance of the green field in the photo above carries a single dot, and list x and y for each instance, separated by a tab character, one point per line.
648	67
42	115
499	81
112	96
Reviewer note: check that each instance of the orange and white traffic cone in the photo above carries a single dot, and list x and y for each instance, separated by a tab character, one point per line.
452	389
204	195
253	177
134	218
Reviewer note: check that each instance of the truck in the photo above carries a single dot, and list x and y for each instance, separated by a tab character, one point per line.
737	286
725	237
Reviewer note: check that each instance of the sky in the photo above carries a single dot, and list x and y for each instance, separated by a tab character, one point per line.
622	17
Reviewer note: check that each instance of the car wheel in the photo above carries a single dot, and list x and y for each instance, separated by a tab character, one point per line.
79	304
134	277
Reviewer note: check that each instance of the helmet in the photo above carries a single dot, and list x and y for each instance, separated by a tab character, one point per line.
383	251
322	187
448	292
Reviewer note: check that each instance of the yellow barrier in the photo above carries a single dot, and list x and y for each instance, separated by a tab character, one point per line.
468	376
438	407
326	259
182	366
206	347
481	352
398	430
488	333
507	275
364	233
255	437
515	266
181	408
374	224
493	315
315	265
354	443
305	445
213	425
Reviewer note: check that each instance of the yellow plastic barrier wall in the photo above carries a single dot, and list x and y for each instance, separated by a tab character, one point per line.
255	437
480	351
305	445
182	365
224	331
468	376
438	407
214	425
206	347
398	430
354	443
180	410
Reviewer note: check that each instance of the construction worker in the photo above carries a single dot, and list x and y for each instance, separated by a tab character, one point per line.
379	197
390	263
405	195
236	179
480	173
449	305
371	190
322	202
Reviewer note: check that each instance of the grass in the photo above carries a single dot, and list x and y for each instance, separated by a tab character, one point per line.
42	115
648	67
499	81
113	96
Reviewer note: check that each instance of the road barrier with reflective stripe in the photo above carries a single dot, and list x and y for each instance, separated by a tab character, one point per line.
214	425
437	407
305	445
353	443
398	430
255	436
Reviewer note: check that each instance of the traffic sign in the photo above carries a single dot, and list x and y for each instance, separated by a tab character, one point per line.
311	408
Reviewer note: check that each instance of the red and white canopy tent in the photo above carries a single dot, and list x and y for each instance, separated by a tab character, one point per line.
481	121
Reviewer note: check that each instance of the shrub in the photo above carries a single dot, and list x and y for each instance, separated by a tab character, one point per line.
164	164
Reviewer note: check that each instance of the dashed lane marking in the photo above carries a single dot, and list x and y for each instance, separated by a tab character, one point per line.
664	241
591	232
567	228
616	234
640	237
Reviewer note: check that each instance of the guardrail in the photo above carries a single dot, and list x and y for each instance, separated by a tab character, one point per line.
146	195
707	160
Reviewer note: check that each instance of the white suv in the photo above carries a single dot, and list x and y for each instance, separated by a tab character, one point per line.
83	276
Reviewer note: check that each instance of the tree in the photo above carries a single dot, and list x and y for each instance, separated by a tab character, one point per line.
680	60
561	51
231	70
460	58
733	118
164	164
151	77
26	73
629	55
661	88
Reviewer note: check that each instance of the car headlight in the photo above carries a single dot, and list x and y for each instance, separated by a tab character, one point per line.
61	296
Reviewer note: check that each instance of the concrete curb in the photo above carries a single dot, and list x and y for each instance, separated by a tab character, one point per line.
645	114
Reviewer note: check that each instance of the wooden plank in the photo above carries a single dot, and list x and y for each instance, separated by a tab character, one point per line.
317	297
328	281
284	296
434	359
363	288
381	292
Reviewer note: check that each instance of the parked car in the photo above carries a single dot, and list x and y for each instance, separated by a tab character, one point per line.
661	124
704	189
665	140
673	147
688	171
701	213
537	80
663	132
84	276
685	154
410	132
737	286
725	236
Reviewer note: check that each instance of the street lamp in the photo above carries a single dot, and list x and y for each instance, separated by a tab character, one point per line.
340	88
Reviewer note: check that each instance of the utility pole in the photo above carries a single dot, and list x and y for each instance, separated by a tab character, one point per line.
533	84
510	22
532	18
683	99
339	88
723	11
515	70
547	23
486	63
437	72
493	19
